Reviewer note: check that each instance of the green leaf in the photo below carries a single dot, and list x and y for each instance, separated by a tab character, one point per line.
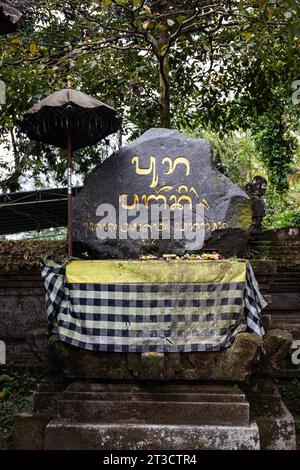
247	35
161	27
106	4
33	48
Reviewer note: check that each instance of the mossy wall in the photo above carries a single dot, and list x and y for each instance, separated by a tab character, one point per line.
28	255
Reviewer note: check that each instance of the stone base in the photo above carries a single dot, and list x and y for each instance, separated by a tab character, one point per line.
63	435
154	404
248	355
90	415
235	363
275	422
165	416
277	432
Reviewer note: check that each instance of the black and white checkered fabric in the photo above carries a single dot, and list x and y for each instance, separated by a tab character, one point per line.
141	317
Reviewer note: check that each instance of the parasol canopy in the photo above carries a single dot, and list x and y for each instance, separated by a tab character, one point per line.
72	120
69	114
9	18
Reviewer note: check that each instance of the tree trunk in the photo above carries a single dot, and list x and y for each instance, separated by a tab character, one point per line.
164	84
164	105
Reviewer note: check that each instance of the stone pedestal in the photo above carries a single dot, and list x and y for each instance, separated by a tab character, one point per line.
165	402
71	436
93	416
161	416
275	422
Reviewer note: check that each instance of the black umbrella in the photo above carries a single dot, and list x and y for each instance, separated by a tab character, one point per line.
72	120
9	18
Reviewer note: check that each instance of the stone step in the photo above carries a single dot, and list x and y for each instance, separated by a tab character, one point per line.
290	316
155	412
65	435
265	241
283	289
288	278
152	387
46	397
162	397
293	269
173	403
285	301
155	393
287	275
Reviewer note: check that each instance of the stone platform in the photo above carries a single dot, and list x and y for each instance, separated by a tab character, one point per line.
148	404
63	435
212	400
93	416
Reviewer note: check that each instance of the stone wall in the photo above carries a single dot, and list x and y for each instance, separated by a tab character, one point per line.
23	325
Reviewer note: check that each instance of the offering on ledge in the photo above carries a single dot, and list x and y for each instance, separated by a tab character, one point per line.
190	257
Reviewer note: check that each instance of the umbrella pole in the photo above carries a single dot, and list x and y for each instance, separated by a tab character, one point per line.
70	211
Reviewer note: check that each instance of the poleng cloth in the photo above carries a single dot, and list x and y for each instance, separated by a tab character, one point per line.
153	305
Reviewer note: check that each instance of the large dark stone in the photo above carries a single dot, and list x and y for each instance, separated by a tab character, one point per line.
227	207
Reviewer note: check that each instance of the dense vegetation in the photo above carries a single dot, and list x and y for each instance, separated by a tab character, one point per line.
221	69
15	391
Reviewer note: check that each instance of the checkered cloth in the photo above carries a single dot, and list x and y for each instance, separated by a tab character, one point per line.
153	316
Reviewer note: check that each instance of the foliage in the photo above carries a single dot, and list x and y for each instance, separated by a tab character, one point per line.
59	233
280	211
287	218
237	151
276	148
15	389
199	65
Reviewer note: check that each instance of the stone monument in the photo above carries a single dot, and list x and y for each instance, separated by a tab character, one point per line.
166	168
167	401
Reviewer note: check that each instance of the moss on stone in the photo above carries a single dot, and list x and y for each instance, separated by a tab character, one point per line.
244	217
